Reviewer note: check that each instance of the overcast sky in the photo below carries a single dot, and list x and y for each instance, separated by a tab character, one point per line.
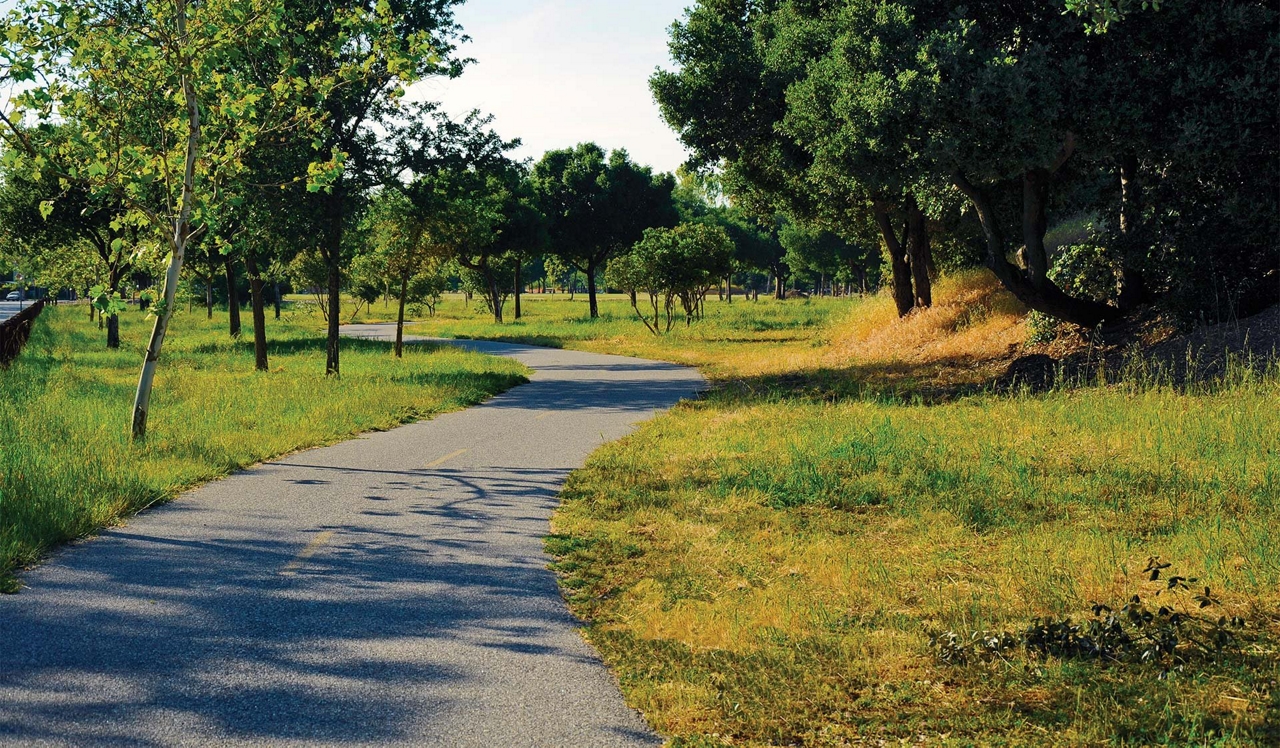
559	72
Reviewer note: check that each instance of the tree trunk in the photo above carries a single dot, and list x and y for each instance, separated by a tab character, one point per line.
181	233
728	286
591	289
259	312
517	288
275	293
333	261
113	321
1035	194
208	295
113	331
404	292
1040	294
779	286
331	362
903	295
918	245
495	295
1132	291
233	297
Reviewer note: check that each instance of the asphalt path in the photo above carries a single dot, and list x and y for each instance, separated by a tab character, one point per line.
388	590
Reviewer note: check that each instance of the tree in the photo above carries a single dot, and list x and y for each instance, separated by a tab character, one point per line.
469	198
371	50
830	111
598	206
403	253
669	265
757	246
54	220
559	273
523	234
145	90
732	103
822	253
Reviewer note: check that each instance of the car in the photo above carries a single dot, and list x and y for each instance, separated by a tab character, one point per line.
14	296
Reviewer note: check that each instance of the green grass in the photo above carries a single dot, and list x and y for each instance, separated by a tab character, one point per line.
768	571
68	468
736	338
764	566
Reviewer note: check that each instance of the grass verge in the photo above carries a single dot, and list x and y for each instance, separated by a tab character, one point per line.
769	572
766	566
68	468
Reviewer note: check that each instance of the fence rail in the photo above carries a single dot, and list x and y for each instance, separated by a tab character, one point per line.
15	331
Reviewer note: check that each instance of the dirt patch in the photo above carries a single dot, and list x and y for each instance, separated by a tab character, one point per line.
1147	346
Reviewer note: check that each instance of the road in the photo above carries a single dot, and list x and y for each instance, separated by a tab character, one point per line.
389	590
10	308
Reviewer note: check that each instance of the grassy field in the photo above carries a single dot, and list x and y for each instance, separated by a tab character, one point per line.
67	466
766	566
729	342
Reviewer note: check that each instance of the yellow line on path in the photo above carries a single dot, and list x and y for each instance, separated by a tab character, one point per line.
446	458
316	543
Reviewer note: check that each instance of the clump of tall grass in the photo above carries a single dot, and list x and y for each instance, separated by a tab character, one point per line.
973	318
67	466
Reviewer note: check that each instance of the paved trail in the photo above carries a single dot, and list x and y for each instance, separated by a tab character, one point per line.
388	590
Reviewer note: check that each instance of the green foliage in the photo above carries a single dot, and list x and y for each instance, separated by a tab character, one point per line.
107	302
597	205
1089	270
109	109
669	265
819	253
823	110
1102	14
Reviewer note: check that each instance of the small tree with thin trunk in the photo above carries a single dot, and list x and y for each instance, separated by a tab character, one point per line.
677	265
159	110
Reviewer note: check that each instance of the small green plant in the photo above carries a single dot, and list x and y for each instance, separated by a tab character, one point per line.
1166	633
1042	328
108	304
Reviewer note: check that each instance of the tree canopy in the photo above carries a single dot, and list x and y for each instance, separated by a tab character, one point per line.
915	113
598	205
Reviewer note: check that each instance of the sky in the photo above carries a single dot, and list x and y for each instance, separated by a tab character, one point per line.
556	73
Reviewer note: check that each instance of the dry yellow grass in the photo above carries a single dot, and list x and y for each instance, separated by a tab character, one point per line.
968	335
764	567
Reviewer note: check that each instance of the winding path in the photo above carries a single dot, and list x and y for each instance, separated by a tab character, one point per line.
391	589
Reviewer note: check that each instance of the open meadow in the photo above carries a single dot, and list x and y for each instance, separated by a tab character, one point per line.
68	467
782	561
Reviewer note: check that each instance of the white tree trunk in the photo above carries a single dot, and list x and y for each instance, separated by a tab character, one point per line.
178	242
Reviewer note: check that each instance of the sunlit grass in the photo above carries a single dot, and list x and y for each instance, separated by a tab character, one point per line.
770	571
764	566
736	339
67	466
